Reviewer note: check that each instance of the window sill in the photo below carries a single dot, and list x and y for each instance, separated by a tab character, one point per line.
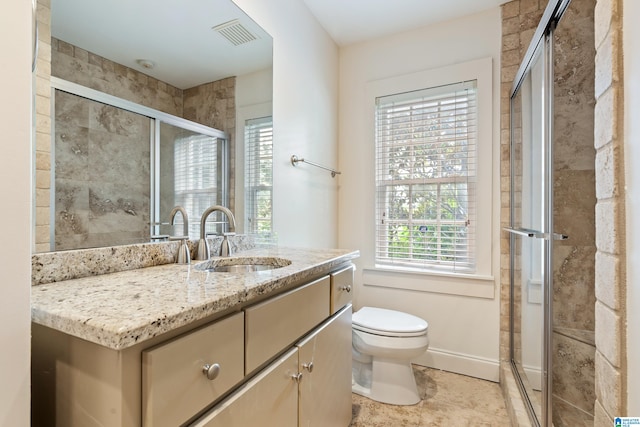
470	285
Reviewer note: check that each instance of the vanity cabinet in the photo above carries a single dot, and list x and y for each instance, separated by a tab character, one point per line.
281	359
310	385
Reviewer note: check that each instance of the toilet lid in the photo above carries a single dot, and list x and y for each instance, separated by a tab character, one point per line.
388	322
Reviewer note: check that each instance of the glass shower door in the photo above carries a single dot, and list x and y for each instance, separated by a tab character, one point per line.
529	234
191	171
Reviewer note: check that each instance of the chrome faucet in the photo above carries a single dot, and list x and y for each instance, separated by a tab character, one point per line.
184	256
204	252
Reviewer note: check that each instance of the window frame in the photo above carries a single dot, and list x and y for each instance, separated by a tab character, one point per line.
404	111
481	71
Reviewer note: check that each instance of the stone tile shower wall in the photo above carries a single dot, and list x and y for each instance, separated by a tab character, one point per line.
61	59
102	179
574	215
611	363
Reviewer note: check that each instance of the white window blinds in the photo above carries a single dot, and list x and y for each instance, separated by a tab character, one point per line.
195	176
426	178
258	177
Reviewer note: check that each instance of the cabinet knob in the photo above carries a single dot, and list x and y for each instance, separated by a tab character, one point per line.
297	377
346	288
211	371
308	366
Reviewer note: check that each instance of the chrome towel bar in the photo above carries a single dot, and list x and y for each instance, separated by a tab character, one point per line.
295	159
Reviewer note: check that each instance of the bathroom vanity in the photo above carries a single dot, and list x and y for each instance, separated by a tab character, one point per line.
173	345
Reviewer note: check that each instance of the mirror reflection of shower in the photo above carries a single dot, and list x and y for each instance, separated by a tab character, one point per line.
120	169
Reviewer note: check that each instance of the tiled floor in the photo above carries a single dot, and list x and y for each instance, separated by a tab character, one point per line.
448	399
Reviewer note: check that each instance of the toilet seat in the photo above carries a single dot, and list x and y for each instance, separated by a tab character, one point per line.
380	321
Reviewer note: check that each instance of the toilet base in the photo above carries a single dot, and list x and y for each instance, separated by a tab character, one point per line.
386	380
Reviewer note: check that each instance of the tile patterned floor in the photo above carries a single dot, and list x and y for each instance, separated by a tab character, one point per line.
448	399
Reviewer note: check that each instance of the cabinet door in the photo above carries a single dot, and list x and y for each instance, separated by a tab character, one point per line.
268	400
325	363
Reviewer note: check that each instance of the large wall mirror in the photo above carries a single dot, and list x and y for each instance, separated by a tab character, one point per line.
200	63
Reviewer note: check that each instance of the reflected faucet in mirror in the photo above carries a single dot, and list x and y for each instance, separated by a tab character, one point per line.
204	252
184	256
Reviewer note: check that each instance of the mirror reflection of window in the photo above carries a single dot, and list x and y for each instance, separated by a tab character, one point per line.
195	176
258	179
191	174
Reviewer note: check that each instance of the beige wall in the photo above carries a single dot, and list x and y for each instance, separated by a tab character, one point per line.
15	188
467	342
305	122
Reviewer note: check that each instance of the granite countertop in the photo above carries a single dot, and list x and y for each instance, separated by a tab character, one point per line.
119	310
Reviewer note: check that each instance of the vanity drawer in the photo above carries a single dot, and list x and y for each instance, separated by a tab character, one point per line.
174	384
341	288
272	325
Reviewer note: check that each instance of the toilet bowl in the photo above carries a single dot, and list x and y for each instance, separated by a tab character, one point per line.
384	343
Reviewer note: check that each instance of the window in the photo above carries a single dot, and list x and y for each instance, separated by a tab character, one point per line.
258	177
426	178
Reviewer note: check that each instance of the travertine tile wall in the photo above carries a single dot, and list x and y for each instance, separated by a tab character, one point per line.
573	348
85	68
611	362
519	21
42	159
102	179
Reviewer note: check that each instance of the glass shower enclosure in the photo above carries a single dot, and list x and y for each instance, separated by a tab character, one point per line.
551	231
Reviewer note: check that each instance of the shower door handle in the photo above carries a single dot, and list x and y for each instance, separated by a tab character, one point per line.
537	234
525	232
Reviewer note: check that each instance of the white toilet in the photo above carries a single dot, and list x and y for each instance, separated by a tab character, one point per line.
384	343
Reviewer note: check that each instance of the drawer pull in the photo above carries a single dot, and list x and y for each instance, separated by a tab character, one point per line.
211	371
345	288
308	366
297	377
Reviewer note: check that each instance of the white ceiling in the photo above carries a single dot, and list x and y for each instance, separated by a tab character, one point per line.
187	52
352	21
179	40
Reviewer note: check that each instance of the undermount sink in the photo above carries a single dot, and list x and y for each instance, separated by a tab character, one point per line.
242	264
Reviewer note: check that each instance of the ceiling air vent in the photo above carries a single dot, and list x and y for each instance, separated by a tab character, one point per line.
235	32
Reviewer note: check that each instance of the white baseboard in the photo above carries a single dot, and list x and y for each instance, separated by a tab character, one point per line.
460	363
534	375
